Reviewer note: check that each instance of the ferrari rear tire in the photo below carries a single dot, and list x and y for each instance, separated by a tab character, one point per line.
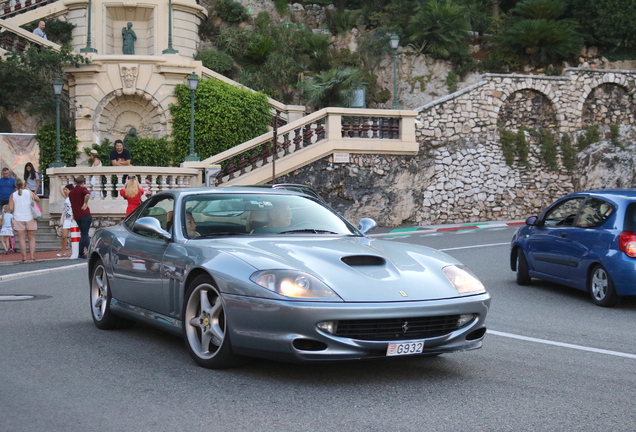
523	275
205	327
601	287
100	297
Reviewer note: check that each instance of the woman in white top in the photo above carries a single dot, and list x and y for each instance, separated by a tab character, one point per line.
96	163
23	222
67	218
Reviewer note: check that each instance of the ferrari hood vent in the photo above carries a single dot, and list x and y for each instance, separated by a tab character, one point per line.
363	260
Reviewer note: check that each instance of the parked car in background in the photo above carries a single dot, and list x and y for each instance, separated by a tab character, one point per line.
585	240
277	274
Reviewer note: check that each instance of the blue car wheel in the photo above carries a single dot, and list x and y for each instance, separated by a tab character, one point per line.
523	276
601	287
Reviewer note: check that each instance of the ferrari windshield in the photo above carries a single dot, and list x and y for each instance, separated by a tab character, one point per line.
212	215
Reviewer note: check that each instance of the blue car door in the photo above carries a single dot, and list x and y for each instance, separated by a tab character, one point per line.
589	239
549	245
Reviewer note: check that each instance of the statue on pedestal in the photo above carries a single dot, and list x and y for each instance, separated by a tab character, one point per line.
129	37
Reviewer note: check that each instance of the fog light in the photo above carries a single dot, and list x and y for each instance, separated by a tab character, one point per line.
330	327
465	319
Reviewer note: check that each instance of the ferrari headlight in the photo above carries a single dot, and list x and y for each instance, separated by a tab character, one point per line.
463	280
294	284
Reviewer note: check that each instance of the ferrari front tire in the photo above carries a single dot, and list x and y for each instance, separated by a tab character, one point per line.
205	327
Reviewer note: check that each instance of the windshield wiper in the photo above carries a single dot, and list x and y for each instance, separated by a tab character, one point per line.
308	230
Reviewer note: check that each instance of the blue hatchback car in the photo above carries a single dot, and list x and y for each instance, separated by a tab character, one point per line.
585	240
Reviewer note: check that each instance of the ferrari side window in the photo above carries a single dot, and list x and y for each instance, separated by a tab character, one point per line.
564	213
162	210
594	213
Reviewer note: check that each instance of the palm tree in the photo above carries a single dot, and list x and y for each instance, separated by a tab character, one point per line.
334	87
439	28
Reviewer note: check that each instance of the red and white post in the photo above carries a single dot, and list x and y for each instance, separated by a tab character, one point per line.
75	238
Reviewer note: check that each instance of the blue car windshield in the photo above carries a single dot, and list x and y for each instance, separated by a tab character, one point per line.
213	215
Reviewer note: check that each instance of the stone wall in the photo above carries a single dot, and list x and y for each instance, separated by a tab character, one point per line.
460	175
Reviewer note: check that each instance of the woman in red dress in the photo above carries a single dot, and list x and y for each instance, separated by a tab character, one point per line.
133	193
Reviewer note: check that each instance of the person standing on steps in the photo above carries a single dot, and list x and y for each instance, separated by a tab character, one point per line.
23	222
79	198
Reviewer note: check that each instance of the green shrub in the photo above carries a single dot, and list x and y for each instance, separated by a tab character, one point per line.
591	135
230	11
615	136
225	116
150	152
344	20
451	82
281	6
218	61
507	139
46	138
549	151
568	153
521	147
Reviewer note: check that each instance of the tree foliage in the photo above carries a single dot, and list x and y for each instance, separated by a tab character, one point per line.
218	61
225	116
439	28
27	80
335	87
46	138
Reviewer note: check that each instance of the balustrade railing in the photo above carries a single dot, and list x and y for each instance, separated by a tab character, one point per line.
336	124
105	183
13	7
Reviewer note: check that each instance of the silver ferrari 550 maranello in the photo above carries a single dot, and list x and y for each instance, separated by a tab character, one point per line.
278	274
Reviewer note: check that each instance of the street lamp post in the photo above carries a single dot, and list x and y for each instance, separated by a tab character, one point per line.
193	83
88	48
58	85
170	49
395	42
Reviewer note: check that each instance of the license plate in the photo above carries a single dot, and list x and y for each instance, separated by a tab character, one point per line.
405	348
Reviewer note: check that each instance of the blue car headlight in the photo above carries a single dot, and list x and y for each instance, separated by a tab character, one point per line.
294	284
463	280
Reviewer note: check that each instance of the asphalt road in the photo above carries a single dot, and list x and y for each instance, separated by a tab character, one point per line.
552	361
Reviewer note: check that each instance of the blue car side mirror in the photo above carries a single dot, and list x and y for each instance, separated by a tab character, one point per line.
532	221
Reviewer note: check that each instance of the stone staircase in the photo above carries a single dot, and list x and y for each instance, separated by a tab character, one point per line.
46	238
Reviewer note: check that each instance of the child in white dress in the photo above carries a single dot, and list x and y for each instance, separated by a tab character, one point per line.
6	230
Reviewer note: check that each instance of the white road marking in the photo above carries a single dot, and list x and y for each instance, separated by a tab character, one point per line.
563	345
39	272
474	246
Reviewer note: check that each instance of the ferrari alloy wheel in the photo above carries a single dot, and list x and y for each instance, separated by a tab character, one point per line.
100	299
601	287
205	326
523	276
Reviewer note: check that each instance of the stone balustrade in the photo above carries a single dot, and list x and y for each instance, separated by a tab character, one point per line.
105	183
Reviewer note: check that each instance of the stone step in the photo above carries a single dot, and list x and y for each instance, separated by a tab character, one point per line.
46	238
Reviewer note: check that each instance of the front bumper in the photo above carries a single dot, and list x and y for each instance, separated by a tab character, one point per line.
282	329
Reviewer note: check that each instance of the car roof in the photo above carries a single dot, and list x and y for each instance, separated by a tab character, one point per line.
616	194
231	190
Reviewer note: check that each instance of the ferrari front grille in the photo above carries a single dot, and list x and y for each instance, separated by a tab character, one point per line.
398	328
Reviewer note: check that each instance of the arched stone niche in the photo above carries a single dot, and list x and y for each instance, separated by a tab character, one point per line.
143	20
608	103
118	112
527	108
